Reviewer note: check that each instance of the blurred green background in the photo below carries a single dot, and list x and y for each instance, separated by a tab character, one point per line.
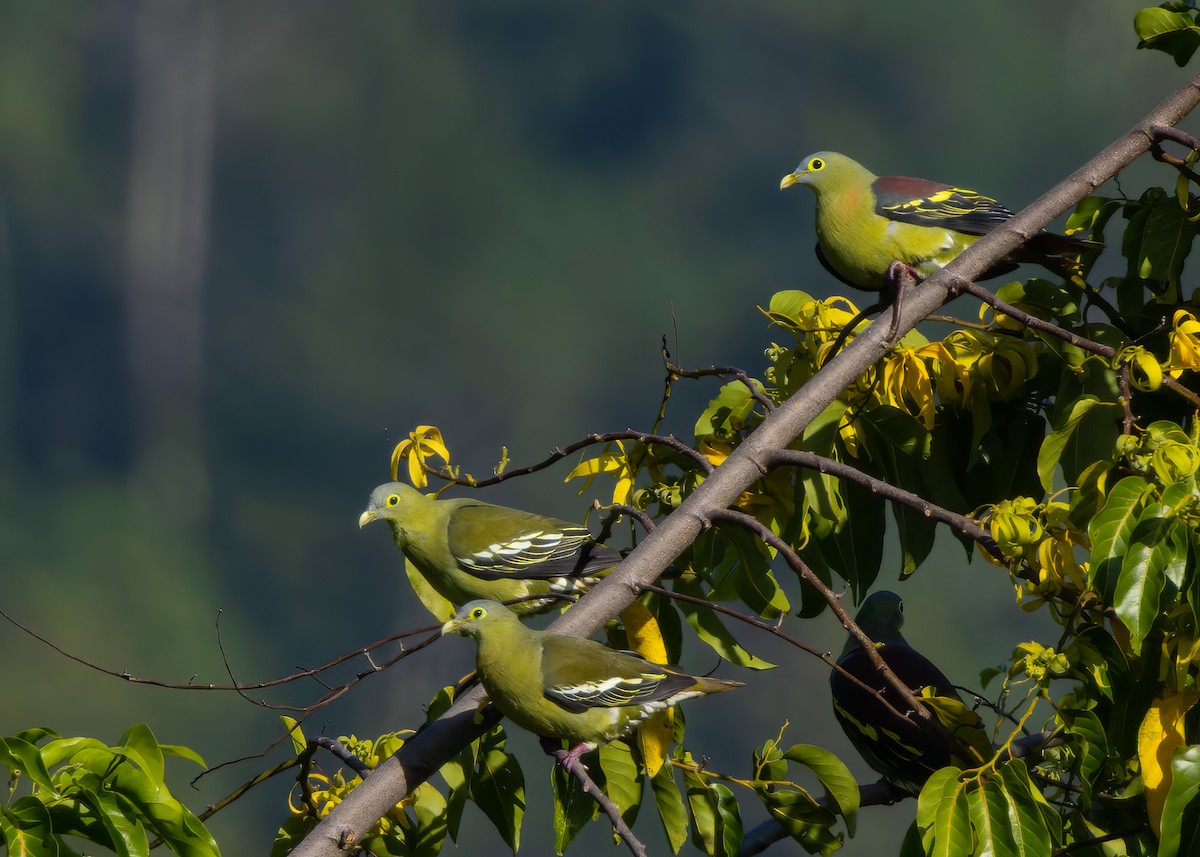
246	246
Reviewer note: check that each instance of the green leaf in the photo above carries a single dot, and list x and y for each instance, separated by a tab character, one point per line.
1055	442
1110	532
706	818
1169	31
572	808
671	808
622	780
1181	812
731	820
458	774
1028	811
290	834
803	818
27	829
728	413
1088	731
786	306
839	783
943	815
498	787
426	837
712	632
139	744
22	757
1157	241
1157	541
989	808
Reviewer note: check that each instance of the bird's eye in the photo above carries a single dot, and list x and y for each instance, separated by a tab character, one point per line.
393	499
900	606
478	613
815	164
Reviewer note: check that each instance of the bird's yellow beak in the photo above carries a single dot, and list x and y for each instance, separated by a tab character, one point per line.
788	180
367	517
451	626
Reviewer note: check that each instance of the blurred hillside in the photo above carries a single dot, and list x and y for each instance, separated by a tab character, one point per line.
245	246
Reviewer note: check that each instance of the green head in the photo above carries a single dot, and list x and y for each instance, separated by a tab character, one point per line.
827	171
476	617
391	501
880	618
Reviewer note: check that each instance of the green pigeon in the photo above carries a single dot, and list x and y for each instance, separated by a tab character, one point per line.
870	229
561	687
904	750
467	549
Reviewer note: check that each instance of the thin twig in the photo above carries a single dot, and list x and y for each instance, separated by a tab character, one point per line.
961	523
574	767
669	441
810	577
751	384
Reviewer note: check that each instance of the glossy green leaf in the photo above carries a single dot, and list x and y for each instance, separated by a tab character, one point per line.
1167	30
572	808
1056	441
706	817
622	779
729	412
786	307
839	783
22	757
27	829
943	816
457	773
1028	811
803	818
290	833
429	809
141	746
1157	541
730	815
713	633
671	809
1087	730
1110	532
498	787
1157	241
1180	833
989	810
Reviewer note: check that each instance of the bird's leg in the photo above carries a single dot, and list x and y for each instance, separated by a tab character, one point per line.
899	278
566	758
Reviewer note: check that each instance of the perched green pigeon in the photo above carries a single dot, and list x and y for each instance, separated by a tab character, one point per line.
904	750
866	224
468	549
568	687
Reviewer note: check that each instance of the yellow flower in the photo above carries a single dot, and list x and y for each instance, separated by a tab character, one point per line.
907	385
1185	343
615	464
423	443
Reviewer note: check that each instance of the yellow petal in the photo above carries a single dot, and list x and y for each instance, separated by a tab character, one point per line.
1160	734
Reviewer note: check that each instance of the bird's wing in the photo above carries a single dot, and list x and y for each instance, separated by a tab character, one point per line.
580	674
494	542
902	750
926	203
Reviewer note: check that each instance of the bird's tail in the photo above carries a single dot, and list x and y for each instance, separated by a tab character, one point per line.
1062	254
708	684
